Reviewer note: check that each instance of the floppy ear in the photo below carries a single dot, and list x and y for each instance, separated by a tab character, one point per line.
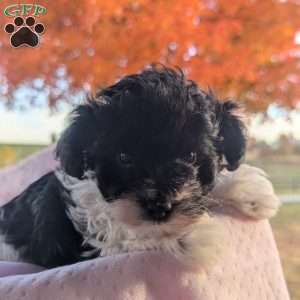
232	134
75	142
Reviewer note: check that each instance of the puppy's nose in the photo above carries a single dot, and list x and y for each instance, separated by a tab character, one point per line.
158	210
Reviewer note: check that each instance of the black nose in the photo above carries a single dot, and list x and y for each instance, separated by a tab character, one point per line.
157	210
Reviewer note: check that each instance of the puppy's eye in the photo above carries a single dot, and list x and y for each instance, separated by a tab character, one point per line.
125	159
191	157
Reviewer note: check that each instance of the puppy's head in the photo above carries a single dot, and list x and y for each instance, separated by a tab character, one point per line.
154	140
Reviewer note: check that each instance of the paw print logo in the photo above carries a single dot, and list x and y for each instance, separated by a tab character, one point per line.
24	33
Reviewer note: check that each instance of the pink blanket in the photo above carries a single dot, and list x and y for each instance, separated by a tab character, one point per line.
251	269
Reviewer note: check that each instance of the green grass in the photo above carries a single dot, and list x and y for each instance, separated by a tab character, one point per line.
286	227
284	174
11	153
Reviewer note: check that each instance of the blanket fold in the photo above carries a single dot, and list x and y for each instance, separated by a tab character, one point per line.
250	269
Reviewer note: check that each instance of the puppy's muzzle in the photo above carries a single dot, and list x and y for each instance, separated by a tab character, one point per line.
157	209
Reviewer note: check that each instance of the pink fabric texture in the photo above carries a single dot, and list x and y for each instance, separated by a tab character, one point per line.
14	268
15	179
250	269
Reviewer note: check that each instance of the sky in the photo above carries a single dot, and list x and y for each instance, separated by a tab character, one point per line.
34	125
269	131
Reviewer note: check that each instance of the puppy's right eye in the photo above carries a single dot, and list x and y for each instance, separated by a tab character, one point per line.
125	159
191	157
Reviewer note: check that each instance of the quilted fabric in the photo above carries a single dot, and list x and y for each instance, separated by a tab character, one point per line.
249	270
15	178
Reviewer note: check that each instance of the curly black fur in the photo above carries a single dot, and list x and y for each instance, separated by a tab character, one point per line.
147	135
157	117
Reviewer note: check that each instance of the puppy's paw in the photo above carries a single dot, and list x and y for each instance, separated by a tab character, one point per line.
202	244
249	190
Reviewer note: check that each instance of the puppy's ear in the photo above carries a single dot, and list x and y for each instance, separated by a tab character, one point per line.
77	139
232	134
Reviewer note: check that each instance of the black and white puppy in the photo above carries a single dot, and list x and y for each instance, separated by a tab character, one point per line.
138	164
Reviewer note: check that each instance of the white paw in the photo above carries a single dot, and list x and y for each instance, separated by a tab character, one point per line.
249	190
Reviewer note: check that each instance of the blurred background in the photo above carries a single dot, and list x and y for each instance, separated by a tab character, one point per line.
243	49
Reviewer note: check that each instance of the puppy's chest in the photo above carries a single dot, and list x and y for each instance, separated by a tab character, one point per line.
92	217
93	222
105	235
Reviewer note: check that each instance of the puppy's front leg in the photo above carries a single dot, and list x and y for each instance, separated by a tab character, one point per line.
249	190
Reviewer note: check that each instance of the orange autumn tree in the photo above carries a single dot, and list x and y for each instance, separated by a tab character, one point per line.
244	48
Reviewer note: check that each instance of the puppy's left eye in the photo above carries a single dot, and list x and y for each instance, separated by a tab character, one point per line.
191	157
125	159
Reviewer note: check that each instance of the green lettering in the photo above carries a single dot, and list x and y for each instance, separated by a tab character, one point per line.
26	9
12	10
39	10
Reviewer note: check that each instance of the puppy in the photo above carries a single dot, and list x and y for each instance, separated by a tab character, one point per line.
138	166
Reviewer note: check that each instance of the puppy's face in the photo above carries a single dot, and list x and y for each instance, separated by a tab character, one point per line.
153	155
156	142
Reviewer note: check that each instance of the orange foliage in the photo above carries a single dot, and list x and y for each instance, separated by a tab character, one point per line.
241	48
